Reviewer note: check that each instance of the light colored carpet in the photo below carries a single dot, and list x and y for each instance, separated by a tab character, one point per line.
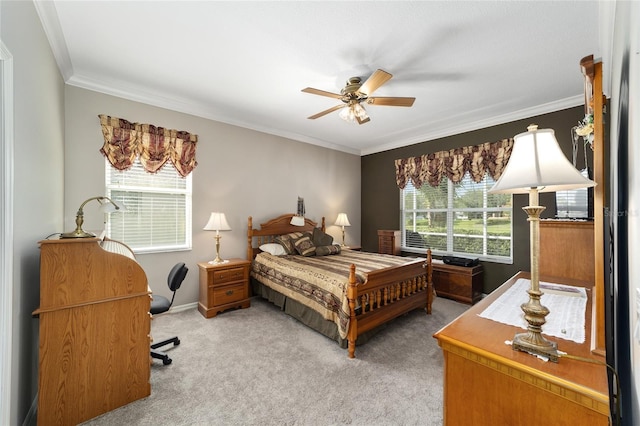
258	366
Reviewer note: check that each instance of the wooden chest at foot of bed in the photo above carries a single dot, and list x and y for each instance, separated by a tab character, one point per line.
223	286
460	283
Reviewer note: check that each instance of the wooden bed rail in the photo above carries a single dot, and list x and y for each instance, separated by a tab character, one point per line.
386	295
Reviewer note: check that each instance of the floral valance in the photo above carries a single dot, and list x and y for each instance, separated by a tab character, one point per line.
154	146
488	158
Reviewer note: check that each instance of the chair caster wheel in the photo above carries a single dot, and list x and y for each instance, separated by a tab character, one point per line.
177	342
166	361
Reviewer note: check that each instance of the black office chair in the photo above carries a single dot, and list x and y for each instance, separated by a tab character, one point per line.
161	304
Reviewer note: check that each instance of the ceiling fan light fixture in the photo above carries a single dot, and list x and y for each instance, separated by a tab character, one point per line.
347	114
356	92
360	112
354	113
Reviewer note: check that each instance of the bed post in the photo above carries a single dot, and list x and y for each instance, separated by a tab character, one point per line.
352	334
249	239
430	291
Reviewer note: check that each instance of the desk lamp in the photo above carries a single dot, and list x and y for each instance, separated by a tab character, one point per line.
107	206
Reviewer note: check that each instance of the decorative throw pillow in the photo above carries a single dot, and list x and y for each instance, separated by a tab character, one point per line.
327	250
320	238
274	249
287	240
304	246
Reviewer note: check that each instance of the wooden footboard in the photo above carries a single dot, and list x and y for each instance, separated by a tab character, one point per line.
387	294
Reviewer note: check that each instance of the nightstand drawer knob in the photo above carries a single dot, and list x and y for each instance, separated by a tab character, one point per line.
229	292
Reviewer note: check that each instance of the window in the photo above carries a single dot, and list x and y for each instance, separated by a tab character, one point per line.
157	215
460	219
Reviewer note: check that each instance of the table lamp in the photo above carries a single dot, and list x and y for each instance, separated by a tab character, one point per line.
342	221
536	165
217	222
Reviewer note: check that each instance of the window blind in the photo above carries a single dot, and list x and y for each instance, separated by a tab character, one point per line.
157	214
457	218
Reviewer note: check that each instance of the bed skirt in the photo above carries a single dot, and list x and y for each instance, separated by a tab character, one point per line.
307	316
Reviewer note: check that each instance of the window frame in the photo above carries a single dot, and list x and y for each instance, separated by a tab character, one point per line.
450	210
187	243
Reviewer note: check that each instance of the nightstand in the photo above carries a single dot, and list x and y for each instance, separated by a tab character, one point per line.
223	286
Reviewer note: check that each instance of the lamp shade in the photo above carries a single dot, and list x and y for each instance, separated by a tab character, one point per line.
111	206
217	222
538	162
297	220
342	220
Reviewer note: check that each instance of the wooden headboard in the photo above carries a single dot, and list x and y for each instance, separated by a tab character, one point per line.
269	230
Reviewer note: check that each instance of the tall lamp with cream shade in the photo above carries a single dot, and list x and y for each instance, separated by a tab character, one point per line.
536	165
342	221
217	222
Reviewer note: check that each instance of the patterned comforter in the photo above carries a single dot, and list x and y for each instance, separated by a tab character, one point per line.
320	282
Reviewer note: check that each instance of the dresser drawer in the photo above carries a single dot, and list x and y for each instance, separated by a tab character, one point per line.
229	294
228	275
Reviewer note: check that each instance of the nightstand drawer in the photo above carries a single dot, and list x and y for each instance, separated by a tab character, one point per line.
229	294
228	275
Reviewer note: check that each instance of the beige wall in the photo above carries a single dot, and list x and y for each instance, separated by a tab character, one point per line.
38	148
240	172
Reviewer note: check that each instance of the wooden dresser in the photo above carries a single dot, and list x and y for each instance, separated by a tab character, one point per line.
94	330
486	382
389	242
223	286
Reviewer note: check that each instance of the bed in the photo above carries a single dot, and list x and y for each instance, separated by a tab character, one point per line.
346	296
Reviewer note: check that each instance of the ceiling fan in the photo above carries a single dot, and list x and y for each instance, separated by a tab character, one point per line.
356	92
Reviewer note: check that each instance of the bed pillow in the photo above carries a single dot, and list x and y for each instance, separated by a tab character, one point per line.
274	249
327	250
320	238
304	246
287	240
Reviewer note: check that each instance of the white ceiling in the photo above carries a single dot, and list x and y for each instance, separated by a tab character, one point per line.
469	64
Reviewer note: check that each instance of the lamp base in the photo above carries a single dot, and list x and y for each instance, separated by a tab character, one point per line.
217	261
535	344
77	234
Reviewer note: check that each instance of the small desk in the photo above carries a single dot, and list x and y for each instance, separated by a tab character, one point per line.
486	382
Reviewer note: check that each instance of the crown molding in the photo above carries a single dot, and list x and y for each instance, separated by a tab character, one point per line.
51	24
457	128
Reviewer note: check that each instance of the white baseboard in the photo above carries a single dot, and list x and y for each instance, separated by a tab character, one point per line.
181	308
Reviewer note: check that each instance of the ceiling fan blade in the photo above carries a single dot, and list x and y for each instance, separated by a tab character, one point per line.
326	111
403	102
322	93
377	79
